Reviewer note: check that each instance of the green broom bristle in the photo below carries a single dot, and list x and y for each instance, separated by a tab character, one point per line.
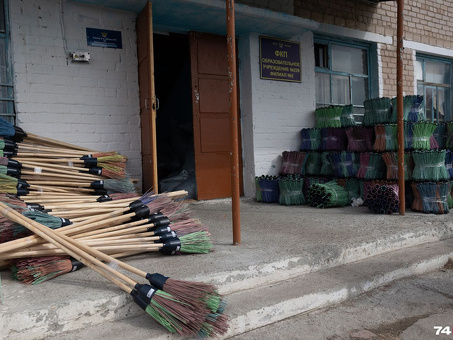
196	243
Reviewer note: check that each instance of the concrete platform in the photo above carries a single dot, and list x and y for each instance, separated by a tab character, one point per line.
290	260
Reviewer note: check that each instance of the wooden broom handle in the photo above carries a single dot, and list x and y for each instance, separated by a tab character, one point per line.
73	248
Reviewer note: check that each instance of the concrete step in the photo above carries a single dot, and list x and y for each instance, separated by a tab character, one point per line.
250	309
282	246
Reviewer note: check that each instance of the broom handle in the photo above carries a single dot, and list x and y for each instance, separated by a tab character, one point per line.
32	161
121	230
102	231
72	247
69	248
60	174
33	137
111	251
51	155
104	242
62	183
34	239
74	228
40	147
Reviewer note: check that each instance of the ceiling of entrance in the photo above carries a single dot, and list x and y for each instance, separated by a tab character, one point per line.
210	16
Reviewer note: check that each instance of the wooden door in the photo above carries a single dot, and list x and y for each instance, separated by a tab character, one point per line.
211	123
145	56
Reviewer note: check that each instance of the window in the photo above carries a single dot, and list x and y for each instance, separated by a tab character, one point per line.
434	84
342	74
6	75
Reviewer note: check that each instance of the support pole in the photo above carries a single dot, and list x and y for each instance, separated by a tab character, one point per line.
399	100
234	140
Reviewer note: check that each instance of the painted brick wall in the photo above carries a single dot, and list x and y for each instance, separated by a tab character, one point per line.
275	112
426	22
93	104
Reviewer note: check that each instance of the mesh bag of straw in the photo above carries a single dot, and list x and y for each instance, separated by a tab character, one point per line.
327	195
382	198
377	111
430	166
329	116
413	109
430	197
291	190
311	139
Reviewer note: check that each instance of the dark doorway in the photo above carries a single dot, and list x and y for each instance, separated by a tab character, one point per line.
174	122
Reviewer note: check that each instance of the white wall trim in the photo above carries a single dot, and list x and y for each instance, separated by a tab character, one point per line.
354	34
429	49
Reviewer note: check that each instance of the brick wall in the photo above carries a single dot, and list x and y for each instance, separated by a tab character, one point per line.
426	22
93	104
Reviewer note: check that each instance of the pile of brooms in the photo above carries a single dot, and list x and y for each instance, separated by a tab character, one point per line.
63	207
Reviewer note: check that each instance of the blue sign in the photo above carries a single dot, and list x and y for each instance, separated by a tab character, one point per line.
280	60
104	38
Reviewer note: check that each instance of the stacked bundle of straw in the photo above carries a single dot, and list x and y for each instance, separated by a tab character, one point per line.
360	138
413	109
386	137
354	187
372	166
270	191
329	116
377	111
422	135
333	139
430	197
382	198
430	166
326	166
293	162
313	164
291	190
345	164
440	134
327	195
449	162
449	139
347	117
391	163
308	181
311	139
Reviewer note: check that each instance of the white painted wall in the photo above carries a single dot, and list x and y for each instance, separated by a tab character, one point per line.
273	112
95	104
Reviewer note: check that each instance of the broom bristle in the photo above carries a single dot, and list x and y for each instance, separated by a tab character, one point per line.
189	226
176	316
40	269
119	185
6	128
196	243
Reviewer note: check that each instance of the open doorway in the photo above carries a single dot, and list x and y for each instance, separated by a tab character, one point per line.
174	120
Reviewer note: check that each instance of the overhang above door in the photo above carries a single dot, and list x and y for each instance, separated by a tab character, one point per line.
209	16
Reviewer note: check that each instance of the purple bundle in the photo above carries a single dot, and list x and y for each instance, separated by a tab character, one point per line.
360	138
292	162
333	139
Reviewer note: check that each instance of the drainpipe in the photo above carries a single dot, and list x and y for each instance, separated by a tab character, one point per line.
399	100
233	104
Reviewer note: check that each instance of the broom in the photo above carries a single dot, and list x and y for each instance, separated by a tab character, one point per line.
144	295
132	210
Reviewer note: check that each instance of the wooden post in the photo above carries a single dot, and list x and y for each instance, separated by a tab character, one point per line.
399	100
234	140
